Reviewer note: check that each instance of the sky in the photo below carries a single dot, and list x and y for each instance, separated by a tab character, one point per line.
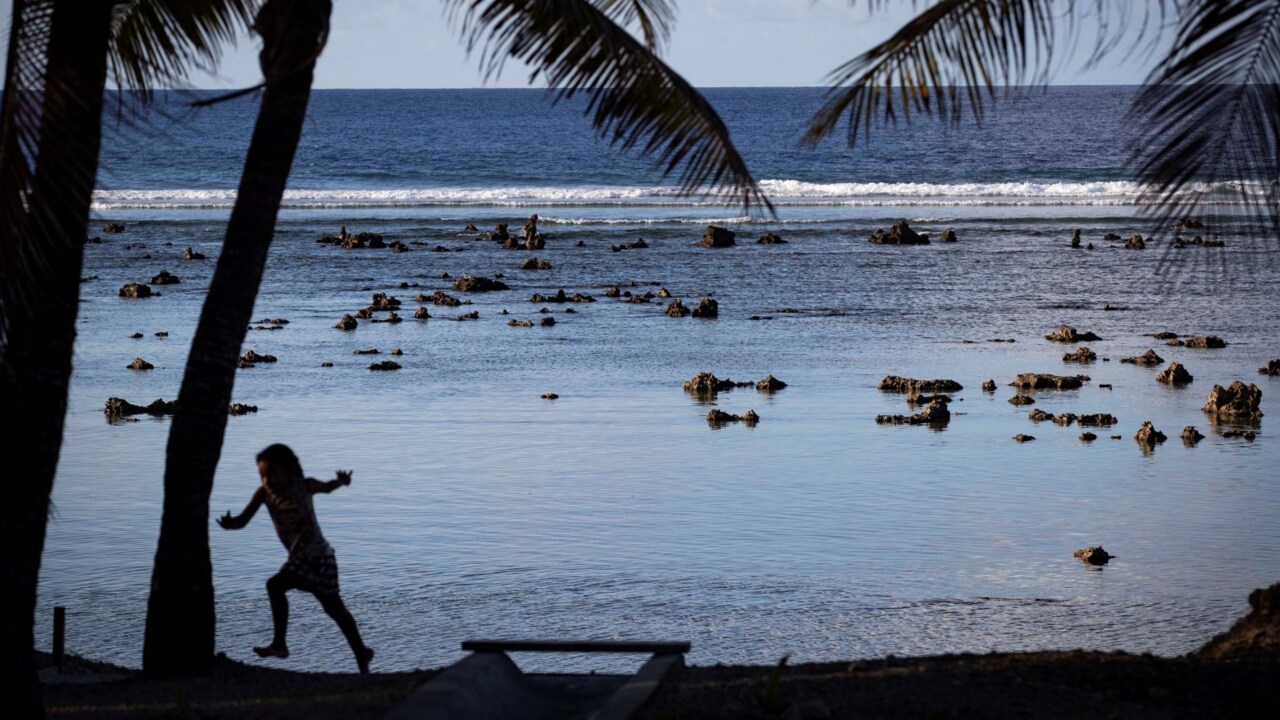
716	43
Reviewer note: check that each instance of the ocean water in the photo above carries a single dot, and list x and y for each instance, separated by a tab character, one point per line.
479	509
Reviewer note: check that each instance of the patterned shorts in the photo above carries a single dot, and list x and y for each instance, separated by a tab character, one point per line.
316	574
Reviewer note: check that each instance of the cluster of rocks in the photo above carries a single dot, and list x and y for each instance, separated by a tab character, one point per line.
439	297
1147	359
1081	355
347	323
900	234
716	237
1093	555
251	359
770	239
1068	334
1197	241
1272	369
1201	342
534	263
1191	436
707	308
358	241
1066	419
705	384
1239	402
136	290
1188	224
717	417
113	227
637	245
1045	381
190	254
1148	437
385	365
119	408
936	413
1021	400
140	364
561	297
1135	243
270	324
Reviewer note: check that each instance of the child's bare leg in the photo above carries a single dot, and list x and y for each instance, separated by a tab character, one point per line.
333	605
277	586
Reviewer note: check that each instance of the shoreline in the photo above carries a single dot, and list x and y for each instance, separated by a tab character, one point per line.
1230	676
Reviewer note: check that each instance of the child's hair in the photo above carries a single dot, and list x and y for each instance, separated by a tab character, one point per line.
280	456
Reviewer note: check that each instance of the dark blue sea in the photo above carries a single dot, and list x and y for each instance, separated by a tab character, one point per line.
480	509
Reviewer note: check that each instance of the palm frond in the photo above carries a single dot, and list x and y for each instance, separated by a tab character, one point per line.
634	99
155	43
1211	115
962	51
656	18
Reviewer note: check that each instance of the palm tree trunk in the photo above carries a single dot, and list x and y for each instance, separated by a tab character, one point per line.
36	367
180	611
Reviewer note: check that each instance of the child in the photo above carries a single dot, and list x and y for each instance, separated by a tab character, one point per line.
311	565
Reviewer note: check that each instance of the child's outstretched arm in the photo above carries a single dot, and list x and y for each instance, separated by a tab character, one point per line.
321	486
227	522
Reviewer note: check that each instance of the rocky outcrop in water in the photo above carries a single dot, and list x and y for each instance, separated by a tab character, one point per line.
1238	402
1081	355
900	234
637	245
382	302
1175	374
347	323
1075	238
948	236
473	283
677	308
520	323
1087	437
421	314
385	365
140	364
770	384
1135	243
1255	635
1191	436
1148	436
707	308
535	264
1068	334
1022	438
716	237
1204	342
440	297
989	386
113	227
770	239
1146	359
1272	369
190	254
118	407
1045	381
1093	555
935	414
241	409
1022	400
705	383
912	386
716	418
561	297
135	290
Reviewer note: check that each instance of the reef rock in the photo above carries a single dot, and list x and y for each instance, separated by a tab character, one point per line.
1045	381
989	386
117	407
1023	438
912	386
1081	354
948	236
135	290
1148	436
771	239
1135	243
1093	555
385	365
440	297
1146	359
899	234
1191	436
1021	400
677	309
704	383
1205	342
190	254
1238	402
535	264
936	414
1255	635
770	384
1068	334
347	323
1272	369
472	283
716	237
140	364
707	308
1175	374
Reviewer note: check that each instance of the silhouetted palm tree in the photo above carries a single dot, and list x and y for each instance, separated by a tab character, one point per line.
60	54
1208	116
579	47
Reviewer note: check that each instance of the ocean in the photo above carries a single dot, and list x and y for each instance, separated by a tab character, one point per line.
480	509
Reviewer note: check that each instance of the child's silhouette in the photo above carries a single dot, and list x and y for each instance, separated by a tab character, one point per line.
311	566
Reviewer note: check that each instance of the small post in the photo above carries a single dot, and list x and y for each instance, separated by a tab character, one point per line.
59	636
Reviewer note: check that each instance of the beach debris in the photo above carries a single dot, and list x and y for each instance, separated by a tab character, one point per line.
190	254
1068	334
1093	555
1075	238
770	239
770	384
716	237
140	364
894	383
1205	342
534	263
900	234
1135	243
1146	359
677	308
385	365
473	283
1081	354
716	418
1191	436
1148	436
1087	437
1175	374
1045	381
135	290
936	413
113	227
347	323
1023	438
707	308
550	396
1272	369
1238	402
1022	400
989	386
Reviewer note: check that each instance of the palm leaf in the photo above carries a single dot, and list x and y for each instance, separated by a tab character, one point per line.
961	51
155	43
656	18
633	98
1211	113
